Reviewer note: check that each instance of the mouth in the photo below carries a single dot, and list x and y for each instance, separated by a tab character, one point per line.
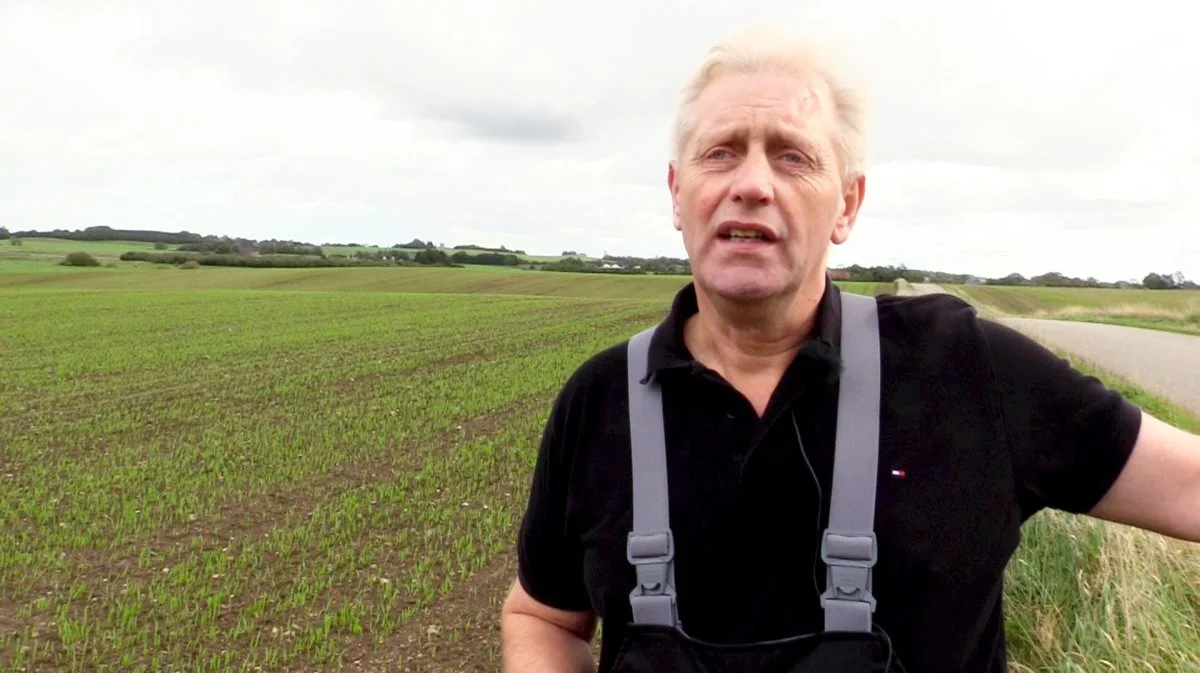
745	232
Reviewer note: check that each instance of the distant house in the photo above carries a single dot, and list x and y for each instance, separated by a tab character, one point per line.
973	280
610	265
839	274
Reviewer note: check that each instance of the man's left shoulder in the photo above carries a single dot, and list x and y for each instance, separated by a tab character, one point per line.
928	321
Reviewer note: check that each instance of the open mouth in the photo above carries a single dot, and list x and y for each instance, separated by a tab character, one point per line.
745	235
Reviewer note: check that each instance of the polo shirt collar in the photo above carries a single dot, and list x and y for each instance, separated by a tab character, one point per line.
668	351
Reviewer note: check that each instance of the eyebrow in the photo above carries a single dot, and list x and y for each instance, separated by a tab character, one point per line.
776	135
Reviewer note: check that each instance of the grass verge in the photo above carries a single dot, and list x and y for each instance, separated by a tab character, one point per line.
1089	595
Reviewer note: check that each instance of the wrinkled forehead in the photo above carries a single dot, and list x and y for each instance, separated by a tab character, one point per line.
765	106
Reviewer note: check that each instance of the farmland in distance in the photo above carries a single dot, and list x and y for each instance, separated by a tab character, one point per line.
1172	310
476	280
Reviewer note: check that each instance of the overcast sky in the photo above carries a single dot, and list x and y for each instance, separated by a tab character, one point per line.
1023	135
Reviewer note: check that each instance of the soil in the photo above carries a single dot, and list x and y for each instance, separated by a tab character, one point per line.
460	633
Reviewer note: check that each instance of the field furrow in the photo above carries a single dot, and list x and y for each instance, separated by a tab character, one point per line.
260	494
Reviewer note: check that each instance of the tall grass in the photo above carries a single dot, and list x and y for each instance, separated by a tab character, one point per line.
1089	595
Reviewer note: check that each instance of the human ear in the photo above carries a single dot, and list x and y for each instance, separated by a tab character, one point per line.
852	197
673	186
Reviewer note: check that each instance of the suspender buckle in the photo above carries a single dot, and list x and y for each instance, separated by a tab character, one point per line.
650	553
849	557
653	599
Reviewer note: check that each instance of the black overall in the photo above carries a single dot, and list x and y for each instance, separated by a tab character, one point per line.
656	641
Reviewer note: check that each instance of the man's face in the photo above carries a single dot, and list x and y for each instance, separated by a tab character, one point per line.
757	191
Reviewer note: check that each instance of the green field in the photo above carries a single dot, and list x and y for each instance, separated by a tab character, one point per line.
201	476
44	254
1174	310
54	249
322	469
470	280
216	480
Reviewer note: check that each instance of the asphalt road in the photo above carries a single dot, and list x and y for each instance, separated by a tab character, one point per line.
1164	363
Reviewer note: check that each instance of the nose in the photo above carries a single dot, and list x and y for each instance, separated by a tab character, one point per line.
752	184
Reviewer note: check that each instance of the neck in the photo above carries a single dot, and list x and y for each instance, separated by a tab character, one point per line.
741	340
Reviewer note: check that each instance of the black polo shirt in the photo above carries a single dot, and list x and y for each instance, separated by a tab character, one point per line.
981	428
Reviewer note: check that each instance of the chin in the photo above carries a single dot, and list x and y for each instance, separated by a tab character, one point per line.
744	285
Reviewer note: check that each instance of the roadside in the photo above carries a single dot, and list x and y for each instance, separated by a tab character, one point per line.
1165	363
1082	591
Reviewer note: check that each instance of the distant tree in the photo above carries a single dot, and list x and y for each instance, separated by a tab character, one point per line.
1051	279
485	258
3	233
570	263
1154	281
15	240
79	259
1010	279
249	261
161	245
431	256
102	233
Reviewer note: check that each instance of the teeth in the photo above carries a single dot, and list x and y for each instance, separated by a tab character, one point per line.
744	233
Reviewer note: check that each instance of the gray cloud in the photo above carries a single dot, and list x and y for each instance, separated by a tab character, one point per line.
498	123
1000	138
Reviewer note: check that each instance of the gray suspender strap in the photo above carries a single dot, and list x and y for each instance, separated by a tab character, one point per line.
849	548
650	548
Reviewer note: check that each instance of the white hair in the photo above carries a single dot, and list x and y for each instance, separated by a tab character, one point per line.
770	50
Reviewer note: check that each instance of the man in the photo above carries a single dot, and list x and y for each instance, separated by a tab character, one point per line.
978	429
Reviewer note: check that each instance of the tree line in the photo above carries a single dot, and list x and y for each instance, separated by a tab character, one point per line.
108	234
240	260
230	251
1152	281
890	274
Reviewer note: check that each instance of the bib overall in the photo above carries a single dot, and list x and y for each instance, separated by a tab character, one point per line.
656	641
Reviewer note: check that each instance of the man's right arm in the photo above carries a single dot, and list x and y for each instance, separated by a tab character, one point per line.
537	638
551	633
